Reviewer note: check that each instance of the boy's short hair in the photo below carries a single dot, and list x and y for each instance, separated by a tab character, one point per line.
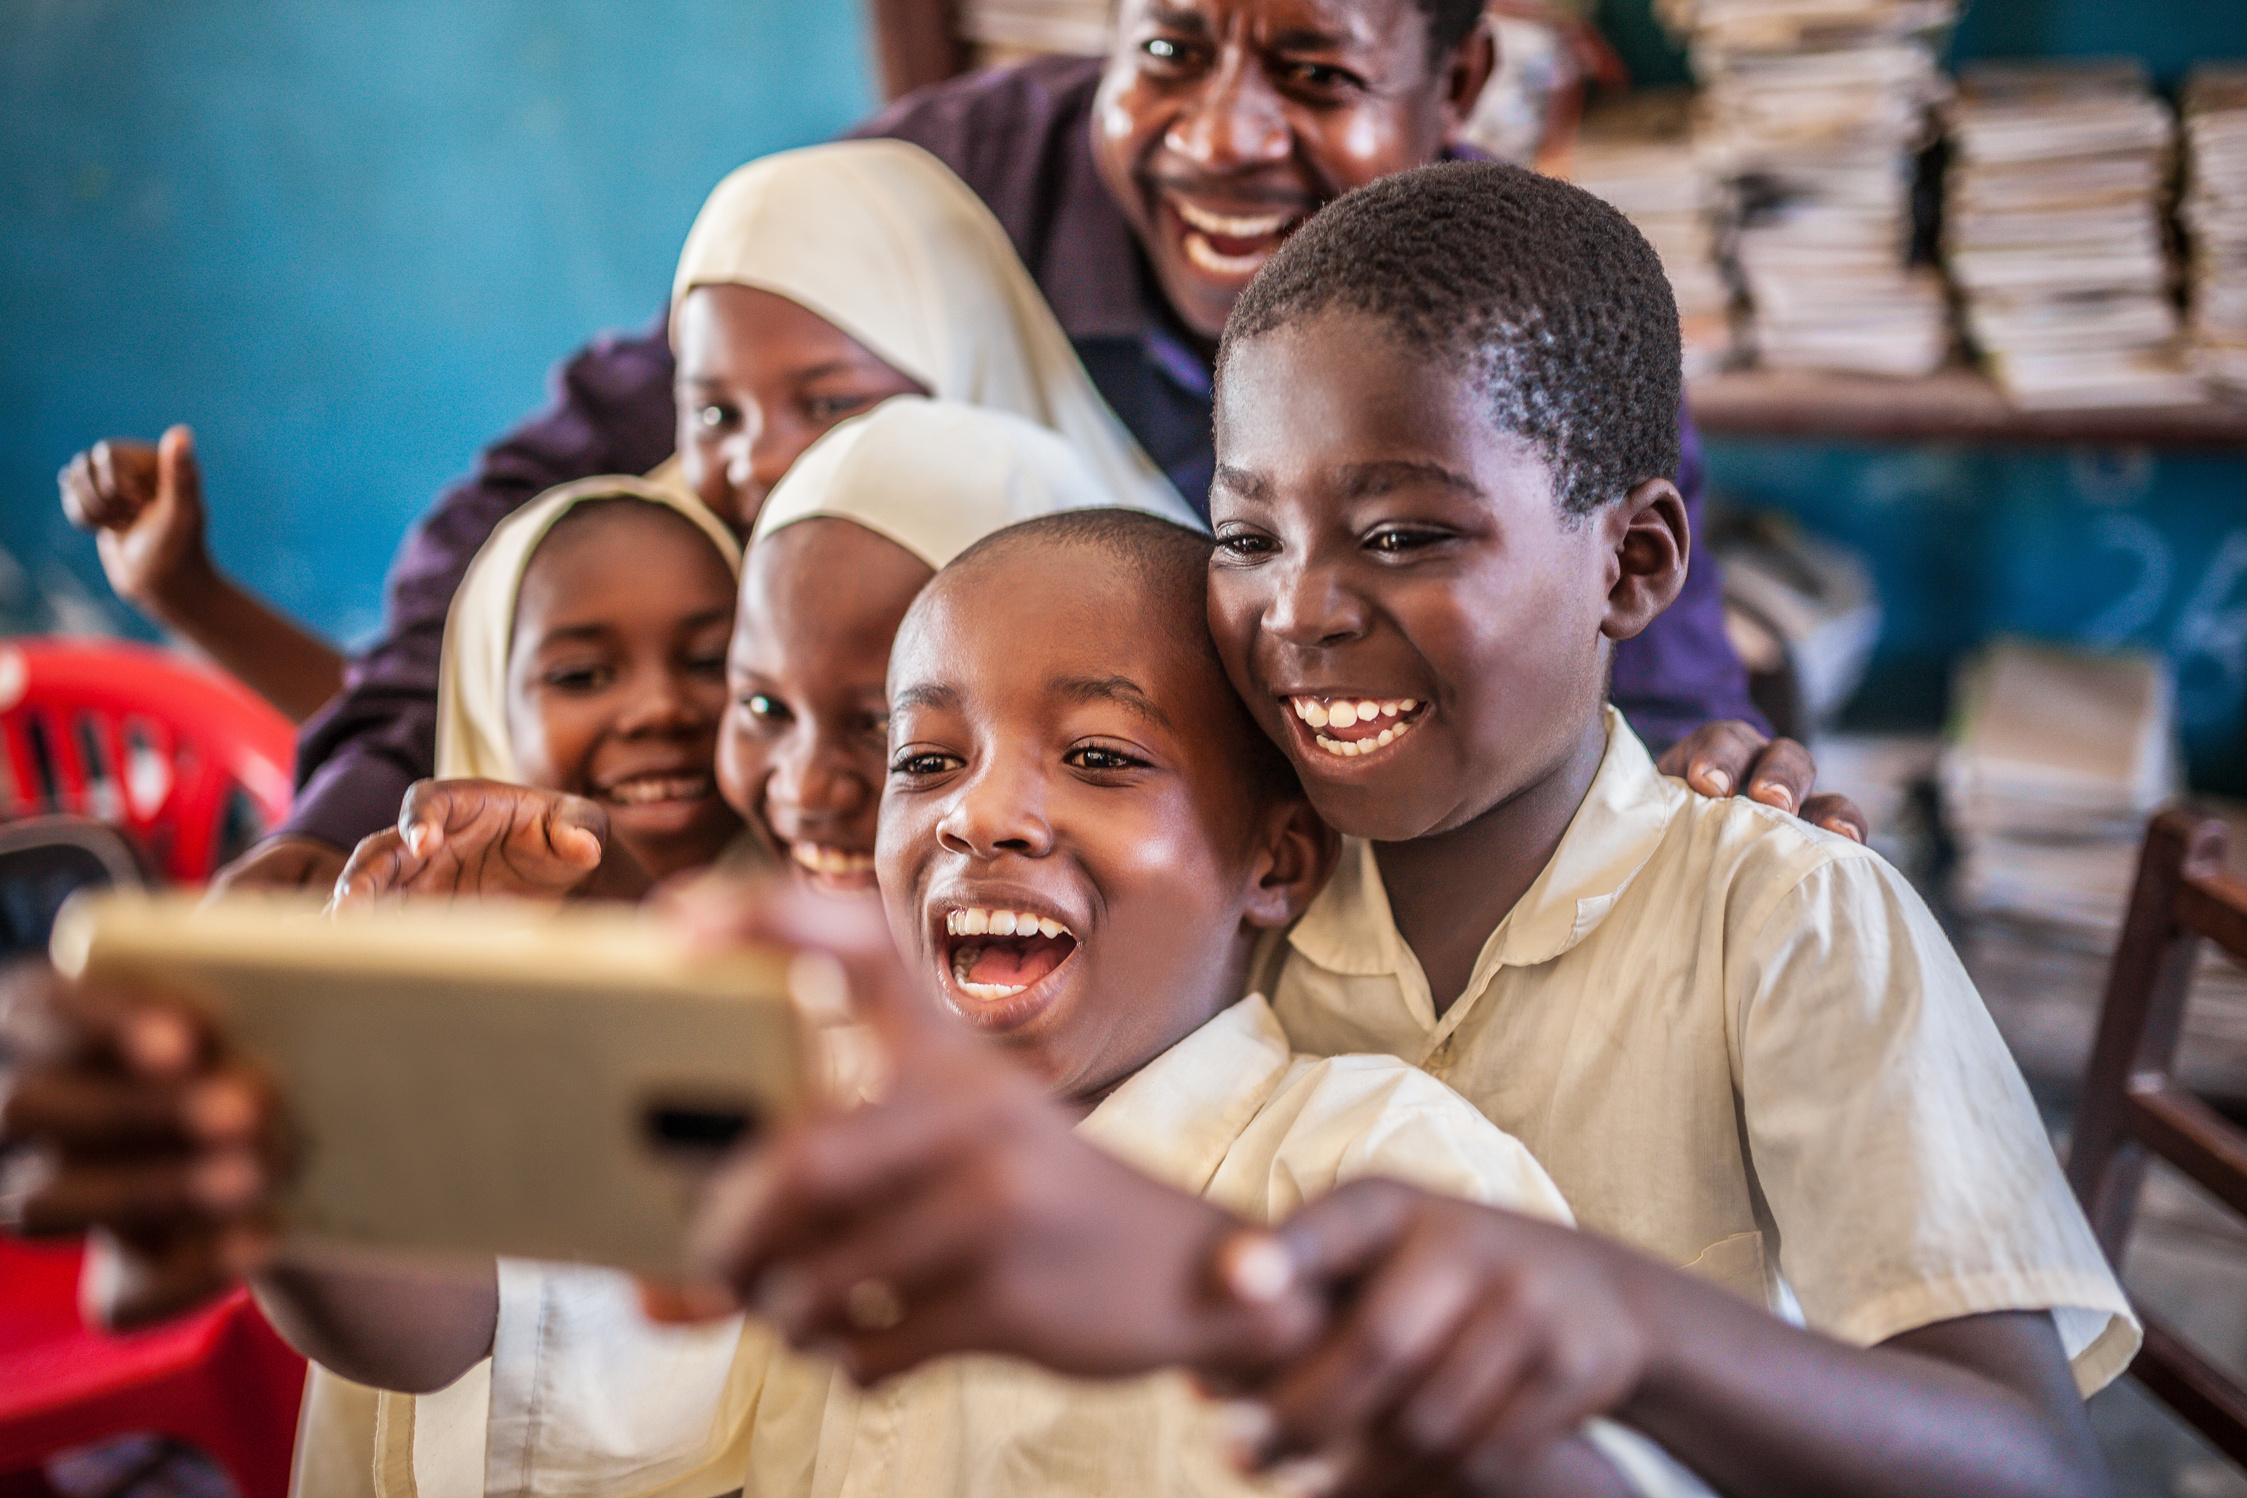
1171	563
1545	296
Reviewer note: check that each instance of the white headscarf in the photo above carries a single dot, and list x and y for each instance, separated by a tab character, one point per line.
472	735
879	238
936	477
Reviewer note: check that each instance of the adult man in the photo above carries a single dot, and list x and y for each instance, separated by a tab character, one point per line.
1142	190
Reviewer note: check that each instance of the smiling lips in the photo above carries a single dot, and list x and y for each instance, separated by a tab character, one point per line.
997	954
654	787
1230	244
1347	727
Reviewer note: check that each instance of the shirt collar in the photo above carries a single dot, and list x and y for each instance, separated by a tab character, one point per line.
1177	1116
1350	930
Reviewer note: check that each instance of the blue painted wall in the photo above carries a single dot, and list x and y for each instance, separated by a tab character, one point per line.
346	238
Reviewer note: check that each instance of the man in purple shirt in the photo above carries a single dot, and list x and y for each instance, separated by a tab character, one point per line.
1142	190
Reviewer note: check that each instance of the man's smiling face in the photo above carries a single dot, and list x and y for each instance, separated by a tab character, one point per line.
1222	124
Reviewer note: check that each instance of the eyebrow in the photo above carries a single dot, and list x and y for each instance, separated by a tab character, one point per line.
1178	18
931	695
1358	480
1121	690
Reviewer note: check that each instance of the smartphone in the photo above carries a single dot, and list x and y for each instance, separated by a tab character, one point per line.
473	1079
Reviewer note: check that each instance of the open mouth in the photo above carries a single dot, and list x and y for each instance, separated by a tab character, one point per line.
993	955
833	868
1352	727
1231	245
655	788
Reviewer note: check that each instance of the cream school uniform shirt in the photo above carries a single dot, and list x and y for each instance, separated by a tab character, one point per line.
1742	1045
584	1397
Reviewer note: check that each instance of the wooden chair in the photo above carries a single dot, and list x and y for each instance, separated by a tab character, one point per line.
2133	1109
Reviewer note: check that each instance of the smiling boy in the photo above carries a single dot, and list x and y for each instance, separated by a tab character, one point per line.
1741	1044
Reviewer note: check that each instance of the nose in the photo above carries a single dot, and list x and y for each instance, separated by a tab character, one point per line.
665	700
1310	608
1234	119
999	808
813	780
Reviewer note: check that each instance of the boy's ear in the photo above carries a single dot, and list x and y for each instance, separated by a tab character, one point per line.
1650	543
1294	858
1465	72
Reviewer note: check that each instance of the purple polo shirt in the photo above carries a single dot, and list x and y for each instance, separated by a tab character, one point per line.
1020	137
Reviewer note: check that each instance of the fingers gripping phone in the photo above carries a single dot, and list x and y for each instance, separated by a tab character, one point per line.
479	1079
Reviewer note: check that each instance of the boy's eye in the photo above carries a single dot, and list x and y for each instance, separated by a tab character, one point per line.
760	705
714	418
1168	52
1102	757
707	665
1245	544
924	762
877	726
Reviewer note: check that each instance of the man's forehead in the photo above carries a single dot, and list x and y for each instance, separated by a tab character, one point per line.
1289	22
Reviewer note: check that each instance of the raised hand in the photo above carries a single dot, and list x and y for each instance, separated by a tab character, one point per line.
145	507
121	1114
490	837
1732	759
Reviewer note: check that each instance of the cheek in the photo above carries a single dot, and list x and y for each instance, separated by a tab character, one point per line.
741	764
552	736
1356	146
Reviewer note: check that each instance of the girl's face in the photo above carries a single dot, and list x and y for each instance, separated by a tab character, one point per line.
804	750
616	677
761	378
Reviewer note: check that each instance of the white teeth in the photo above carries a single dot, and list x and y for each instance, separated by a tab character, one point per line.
1314	713
823	860
1232	226
1352	748
1368	711
1343	715
642	790
1388	709
1208	257
976	921
963	962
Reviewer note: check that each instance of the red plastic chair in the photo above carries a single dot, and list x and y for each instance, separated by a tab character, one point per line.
220	1380
188	761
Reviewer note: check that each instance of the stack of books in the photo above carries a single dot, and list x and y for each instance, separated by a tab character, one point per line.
2214	216
2052	231
2057	758
1637	153
1812	114
1002	29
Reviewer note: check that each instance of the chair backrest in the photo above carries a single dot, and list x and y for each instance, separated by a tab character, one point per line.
189	762
2133	1110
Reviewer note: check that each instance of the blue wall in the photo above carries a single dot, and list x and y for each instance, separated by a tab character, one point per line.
346	238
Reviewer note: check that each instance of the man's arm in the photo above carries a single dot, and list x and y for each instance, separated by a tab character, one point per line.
612	413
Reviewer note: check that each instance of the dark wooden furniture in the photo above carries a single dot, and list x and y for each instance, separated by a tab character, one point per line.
2132	1110
1955	405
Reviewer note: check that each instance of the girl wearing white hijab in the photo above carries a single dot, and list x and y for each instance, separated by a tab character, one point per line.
876	240
885	500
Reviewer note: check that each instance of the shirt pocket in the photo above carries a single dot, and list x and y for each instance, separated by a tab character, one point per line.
1736	1263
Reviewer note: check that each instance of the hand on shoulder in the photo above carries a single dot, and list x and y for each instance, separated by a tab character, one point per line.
1732	759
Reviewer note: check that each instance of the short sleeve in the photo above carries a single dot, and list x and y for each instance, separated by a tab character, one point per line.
1343	1117
1905	1168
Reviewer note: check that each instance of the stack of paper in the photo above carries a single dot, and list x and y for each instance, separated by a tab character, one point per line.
2214	214
1812	112
1637	153
2058	757
2052	231
1005	27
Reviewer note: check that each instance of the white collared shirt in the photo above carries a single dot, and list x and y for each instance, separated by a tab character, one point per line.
1743	1046
584	1397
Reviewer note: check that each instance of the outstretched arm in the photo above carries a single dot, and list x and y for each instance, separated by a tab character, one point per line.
145	507
1474	1336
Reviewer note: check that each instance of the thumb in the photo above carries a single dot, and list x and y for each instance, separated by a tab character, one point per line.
179	478
577	830
1344	1234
